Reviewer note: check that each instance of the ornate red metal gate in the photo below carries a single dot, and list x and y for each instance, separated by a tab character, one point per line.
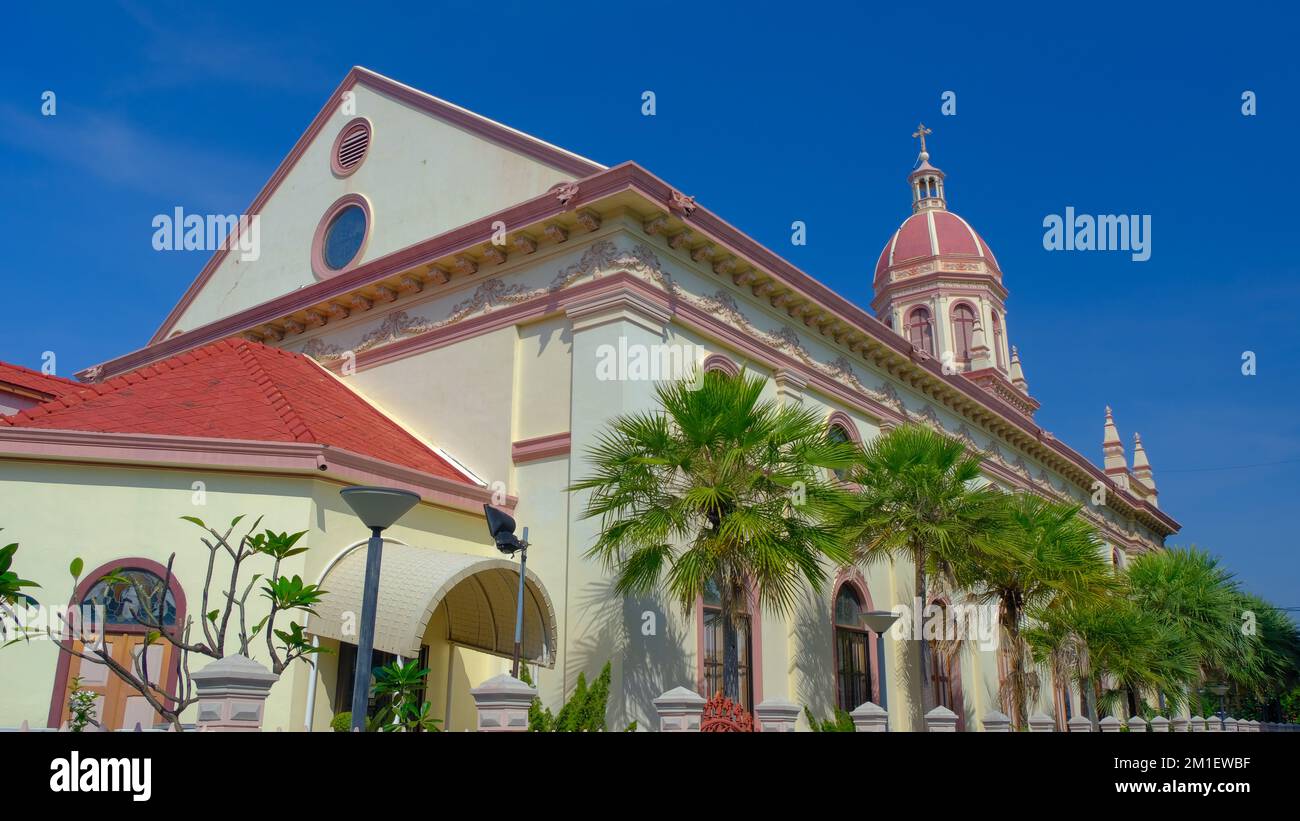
722	715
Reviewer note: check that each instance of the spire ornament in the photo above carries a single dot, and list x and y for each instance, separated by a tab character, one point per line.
921	131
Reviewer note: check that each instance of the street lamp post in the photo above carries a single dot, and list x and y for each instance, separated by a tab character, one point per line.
879	622
502	527
378	508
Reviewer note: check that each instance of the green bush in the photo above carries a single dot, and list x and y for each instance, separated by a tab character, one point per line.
342	722
841	723
584	712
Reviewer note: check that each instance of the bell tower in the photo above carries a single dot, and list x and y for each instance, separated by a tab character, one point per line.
939	286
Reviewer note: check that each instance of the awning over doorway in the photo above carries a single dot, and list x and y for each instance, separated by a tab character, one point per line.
479	593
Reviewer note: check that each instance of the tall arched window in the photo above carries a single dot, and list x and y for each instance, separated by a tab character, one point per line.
714	644
920	331
963	329
997	341
944	681
852	651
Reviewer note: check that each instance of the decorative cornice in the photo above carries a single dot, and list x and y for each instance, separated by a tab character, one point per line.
622	305
542	447
883	348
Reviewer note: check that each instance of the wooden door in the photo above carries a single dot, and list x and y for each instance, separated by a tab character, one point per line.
118	705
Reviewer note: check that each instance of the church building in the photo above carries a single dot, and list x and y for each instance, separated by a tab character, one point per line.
432	307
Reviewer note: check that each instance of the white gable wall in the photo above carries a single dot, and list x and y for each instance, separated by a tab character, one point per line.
422	175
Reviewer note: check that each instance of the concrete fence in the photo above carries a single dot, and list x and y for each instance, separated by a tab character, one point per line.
681	710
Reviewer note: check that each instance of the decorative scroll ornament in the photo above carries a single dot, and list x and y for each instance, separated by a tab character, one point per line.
680	204
565	192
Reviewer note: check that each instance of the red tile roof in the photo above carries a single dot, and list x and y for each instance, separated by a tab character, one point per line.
31	380
236	389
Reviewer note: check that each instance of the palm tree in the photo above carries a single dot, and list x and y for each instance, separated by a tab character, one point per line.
1042	556
916	499
1188	590
718	489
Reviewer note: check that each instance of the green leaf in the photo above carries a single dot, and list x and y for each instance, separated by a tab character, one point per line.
213	614
76	567
196	520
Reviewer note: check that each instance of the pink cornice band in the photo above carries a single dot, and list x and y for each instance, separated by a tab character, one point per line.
542	447
290	458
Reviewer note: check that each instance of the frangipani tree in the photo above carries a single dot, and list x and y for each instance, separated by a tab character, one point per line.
229	611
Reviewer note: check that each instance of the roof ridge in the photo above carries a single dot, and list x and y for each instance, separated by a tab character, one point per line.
41	374
274	396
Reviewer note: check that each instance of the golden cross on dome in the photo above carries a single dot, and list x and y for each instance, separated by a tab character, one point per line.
921	131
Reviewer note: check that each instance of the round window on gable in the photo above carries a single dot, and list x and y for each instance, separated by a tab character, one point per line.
341	236
351	146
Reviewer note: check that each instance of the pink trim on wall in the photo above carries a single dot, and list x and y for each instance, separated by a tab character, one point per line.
496	132
722	363
542	447
83	587
319	266
293	458
629	176
686	315
353	125
845	423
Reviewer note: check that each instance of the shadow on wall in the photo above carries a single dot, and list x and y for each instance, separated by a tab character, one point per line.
646	644
814	658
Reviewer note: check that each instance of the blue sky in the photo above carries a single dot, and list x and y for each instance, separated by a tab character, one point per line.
766	115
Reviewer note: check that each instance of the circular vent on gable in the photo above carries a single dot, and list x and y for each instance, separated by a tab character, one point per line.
350	146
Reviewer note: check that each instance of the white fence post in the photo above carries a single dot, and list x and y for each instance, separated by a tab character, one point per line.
1039	723
776	715
680	710
503	703
1080	724
1109	724
1159	724
1182	724
870	718
1137	724
941	720
232	694
996	722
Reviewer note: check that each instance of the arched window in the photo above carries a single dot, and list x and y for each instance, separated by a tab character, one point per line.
944	675
963	329
131	598
920	331
997	341
839	435
117	605
852	651
714	643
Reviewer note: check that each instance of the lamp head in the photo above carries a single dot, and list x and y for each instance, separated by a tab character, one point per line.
502	527
379	507
879	621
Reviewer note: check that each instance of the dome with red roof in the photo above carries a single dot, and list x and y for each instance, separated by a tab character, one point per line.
931	234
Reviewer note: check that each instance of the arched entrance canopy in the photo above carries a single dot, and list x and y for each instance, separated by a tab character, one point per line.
479	593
